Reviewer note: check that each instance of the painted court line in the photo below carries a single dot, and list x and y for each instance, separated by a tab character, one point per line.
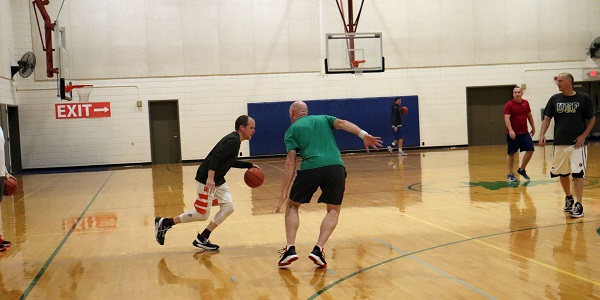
436	269
539	263
467	239
64	240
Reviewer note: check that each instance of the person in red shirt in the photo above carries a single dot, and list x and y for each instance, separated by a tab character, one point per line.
516	114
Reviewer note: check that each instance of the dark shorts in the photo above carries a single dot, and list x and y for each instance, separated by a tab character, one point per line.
331	180
521	142
398	134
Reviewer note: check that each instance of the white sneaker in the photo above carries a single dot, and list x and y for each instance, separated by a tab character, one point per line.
402	153
390	149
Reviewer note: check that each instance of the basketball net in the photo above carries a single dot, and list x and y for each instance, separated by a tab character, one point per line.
355	67
83	93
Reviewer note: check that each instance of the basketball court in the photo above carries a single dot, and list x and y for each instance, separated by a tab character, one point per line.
435	224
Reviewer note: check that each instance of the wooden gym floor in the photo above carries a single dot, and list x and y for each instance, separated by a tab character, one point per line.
437	224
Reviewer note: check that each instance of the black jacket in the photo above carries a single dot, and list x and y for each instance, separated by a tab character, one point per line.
222	158
396	115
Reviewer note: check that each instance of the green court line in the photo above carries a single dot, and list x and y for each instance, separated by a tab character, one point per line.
333	284
64	240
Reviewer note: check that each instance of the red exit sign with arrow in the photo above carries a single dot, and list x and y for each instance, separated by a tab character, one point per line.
82	110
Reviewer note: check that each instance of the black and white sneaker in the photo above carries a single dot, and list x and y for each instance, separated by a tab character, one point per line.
160	229
288	255
568	203
4	243
204	244
318	257
523	174
577	211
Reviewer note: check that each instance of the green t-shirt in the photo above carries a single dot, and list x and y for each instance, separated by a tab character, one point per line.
312	136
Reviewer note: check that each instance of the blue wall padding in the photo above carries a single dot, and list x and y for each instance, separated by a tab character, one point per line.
371	114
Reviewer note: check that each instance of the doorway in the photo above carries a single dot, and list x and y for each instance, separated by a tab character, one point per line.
592	88
164	131
14	139
485	114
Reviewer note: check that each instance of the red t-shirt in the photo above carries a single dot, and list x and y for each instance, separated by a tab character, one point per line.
519	112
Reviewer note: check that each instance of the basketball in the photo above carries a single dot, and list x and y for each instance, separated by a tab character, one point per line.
404	110
254	177
10	186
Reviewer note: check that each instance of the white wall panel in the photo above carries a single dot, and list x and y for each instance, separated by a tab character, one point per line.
89	42
271	35
164	39
127	30
304	36
236	37
396	42
489	27
456	42
578	29
424	31
201	37
553	30
521	31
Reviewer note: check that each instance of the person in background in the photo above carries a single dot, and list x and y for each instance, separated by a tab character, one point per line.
516	114
573	114
397	127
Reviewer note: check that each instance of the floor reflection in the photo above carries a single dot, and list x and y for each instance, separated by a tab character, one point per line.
214	284
167	190
523	227
571	257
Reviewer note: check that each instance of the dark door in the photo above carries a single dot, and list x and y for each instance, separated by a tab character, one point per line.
592	88
485	114
14	139
164	131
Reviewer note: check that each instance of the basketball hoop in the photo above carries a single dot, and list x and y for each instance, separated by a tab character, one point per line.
83	91
355	67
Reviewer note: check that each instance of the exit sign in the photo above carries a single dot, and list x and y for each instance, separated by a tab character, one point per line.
82	110
591	74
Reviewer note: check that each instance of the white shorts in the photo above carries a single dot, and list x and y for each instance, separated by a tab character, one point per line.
204	200
567	160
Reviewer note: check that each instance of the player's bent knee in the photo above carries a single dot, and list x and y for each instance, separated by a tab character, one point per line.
225	211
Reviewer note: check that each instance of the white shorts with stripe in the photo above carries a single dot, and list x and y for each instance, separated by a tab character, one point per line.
567	160
205	201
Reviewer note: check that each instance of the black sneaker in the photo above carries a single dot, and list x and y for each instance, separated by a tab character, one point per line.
4	243
288	256
204	244
568	203
318	257
523	173
160	230
577	211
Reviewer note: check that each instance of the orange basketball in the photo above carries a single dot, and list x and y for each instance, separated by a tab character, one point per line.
254	177
404	110
10	186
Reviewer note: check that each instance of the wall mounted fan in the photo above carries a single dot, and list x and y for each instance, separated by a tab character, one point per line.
595	48
26	66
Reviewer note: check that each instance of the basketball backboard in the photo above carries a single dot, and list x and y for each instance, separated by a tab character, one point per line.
354	52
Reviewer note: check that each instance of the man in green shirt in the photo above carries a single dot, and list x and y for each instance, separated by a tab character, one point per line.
322	167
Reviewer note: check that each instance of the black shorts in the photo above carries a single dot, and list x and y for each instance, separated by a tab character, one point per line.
331	180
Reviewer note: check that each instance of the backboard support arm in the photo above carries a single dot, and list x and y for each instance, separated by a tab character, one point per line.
48	27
